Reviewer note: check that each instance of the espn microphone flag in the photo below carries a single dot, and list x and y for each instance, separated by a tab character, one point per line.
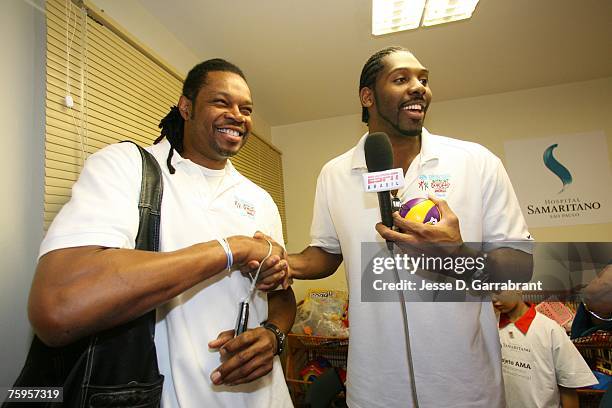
379	159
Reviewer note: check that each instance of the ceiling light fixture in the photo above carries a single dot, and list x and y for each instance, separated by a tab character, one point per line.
389	16
445	11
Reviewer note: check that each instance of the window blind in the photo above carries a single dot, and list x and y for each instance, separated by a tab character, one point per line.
120	92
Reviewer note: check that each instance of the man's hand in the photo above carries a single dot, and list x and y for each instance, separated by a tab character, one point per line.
246	357
598	293
444	235
274	271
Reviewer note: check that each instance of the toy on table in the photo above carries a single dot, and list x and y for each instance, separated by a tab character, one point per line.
323	313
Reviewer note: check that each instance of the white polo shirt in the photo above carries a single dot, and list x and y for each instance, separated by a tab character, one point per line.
537	358
455	346
103	211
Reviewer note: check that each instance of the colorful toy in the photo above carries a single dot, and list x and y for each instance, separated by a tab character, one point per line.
420	210
322	313
314	368
310	372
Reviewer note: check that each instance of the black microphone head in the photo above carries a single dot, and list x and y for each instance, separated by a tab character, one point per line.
378	152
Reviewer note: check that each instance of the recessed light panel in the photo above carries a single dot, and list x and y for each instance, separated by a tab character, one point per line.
389	16
445	11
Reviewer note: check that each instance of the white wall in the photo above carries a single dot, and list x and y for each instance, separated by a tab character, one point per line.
306	147
21	172
489	120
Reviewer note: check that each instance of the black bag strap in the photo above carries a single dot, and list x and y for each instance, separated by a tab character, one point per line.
71	366
149	207
149	204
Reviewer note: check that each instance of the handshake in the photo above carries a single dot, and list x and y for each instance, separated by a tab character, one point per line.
275	270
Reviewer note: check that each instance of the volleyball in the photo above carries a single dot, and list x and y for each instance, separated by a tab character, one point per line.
420	210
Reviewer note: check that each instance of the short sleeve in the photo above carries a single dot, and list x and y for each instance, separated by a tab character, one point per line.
503	220
103	208
322	231
570	368
274	222
274	225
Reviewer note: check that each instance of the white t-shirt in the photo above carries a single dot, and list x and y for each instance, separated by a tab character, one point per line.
455	346
103	211
537	358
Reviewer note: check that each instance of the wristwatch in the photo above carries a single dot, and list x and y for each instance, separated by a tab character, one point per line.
481	275
281	337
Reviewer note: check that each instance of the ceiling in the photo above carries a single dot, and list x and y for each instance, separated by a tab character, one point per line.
303	59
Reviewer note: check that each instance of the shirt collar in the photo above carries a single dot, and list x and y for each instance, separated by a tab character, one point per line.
523	323
358	161
164	148
427	151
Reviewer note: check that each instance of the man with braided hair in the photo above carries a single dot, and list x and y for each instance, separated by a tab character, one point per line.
416	353
89	277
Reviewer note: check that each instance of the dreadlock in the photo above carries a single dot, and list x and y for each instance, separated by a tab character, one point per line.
370	71
173	125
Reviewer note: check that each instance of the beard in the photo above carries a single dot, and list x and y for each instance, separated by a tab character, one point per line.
413	131
225	153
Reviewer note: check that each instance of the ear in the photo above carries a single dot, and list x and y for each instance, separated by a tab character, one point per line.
366	96
185	106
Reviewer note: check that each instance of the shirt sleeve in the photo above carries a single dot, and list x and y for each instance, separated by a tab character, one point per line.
570	368
274	222
503	221
322	231
103	208
274	229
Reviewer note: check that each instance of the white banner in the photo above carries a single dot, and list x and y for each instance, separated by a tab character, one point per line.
562	180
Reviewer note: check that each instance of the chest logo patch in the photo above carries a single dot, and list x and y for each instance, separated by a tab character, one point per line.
437	184
245	208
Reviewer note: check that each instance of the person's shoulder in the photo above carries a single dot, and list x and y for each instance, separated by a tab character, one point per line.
115	154
159	150
339	162
547	324
118	149
459	146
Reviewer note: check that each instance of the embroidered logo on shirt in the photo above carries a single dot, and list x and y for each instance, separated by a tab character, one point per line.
438	184
245	208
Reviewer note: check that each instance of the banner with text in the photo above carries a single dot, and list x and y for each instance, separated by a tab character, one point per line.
562	180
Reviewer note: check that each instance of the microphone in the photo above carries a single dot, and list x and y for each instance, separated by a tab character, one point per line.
379	157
